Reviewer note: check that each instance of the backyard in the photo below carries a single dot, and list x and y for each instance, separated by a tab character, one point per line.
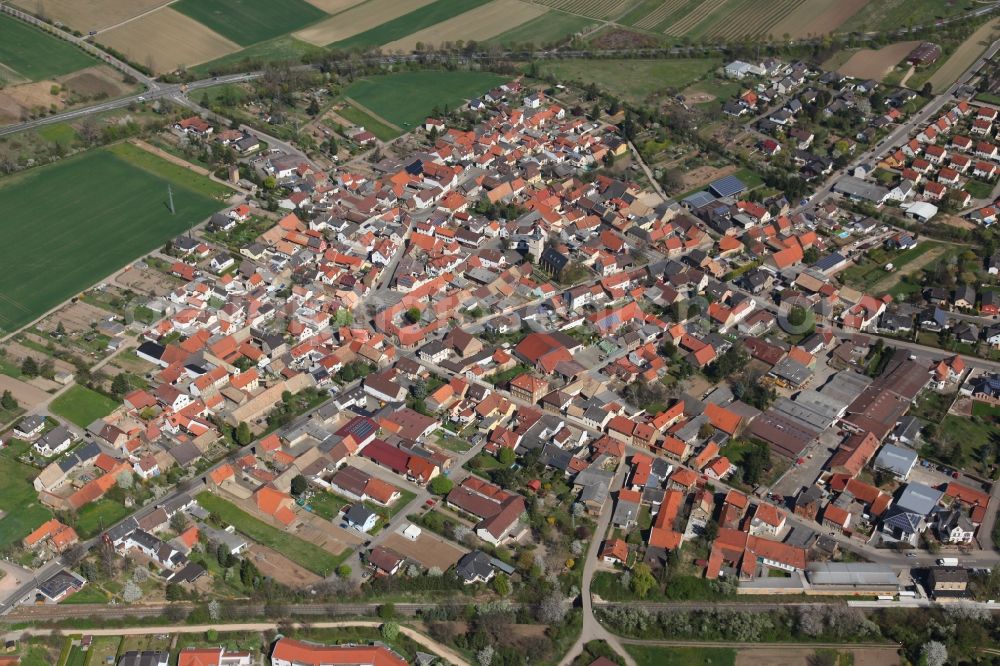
82	405
301	552
22	512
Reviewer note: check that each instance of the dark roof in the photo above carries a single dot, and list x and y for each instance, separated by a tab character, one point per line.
727	186
473	565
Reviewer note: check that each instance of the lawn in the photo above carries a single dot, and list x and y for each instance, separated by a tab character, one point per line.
407	24
549	28
355	115
36	55
61	133
90	594
407	98
645	77
68	225
978	189
863	276
82	406
250	21
327	505
681	656
302	552
98	516
18	499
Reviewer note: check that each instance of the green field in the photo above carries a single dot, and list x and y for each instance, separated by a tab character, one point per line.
279	49
36	55
552	26
374	125
82	406
406	99
61	133
894	14
68	225
302	552
250	21
407	24
680	656
18	499
645	77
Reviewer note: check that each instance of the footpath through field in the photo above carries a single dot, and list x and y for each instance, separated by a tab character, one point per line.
361	107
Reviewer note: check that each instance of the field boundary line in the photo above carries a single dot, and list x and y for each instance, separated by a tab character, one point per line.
178	161
136	17
361	107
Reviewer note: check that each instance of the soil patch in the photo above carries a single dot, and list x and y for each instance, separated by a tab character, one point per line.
872	64
28	396
428	549
280	568
94	81
705	174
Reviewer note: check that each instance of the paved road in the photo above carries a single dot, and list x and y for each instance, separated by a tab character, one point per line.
592	629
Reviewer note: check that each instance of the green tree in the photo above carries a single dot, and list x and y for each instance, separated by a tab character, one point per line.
390	631
387	611
506	456
441	485
344	571
8	401
313	109
501	584
243	434
642	580
29	367
120	385
413	315
299	485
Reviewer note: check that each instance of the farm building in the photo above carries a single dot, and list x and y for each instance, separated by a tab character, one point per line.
926	53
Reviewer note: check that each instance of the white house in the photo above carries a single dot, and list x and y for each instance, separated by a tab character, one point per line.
54	441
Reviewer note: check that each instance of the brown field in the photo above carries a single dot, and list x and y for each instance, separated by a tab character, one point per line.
479	24
280	568
167	40
17	101
752	20
429	550
353	21
147	281
86	15
704	175
334	6
99	80
28	396
798	656
326	535
964	56
870	64
817	17
700	13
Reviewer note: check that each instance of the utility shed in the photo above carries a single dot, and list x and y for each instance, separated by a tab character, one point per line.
859	575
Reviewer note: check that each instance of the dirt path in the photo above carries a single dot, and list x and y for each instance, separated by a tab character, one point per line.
424	641
173	159
906	77
138	16
890	280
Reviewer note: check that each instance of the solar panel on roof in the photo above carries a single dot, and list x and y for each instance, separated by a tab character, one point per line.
727	186
699	199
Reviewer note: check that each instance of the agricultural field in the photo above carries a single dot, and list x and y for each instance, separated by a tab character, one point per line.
250	21
876	64
82	406
29	54
407	98
552	26
90	215
599	9
646	77
963	57
895	14
359	20
279	49
93	15
479	24
166	40
419	19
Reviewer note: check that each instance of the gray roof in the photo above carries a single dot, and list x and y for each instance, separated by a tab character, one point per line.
919	498
851	573
476	564
792	370
859	189
895	459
